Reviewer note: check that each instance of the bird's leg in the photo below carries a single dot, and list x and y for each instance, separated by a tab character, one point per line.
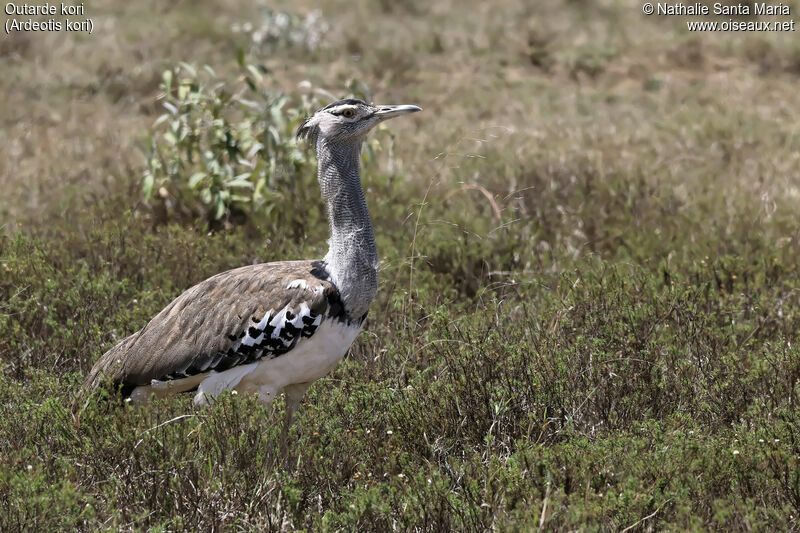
266	395
141	395
294	393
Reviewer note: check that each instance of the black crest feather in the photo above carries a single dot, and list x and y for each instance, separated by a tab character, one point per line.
308	132
346	101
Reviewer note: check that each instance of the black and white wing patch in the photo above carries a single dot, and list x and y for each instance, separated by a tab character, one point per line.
275	335
271	335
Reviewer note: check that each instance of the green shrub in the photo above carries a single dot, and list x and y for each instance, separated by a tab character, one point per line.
223	149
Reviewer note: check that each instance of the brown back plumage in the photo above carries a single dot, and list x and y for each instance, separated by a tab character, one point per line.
199	330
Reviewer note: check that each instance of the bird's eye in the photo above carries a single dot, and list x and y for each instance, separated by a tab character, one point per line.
348	113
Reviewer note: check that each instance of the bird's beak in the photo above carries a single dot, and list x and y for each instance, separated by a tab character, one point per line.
390	111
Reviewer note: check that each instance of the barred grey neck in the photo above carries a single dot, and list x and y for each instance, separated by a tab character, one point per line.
352	259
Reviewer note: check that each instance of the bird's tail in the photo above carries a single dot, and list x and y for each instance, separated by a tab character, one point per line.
103	371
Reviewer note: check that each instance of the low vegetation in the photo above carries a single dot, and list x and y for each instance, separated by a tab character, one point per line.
588	315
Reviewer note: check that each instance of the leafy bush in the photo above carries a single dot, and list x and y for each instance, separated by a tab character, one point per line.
223	149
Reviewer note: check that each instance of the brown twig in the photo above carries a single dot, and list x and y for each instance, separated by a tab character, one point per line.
487	194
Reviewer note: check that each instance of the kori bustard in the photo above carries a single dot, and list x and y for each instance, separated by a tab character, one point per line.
273	327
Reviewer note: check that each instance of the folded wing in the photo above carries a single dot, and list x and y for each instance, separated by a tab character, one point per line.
233	318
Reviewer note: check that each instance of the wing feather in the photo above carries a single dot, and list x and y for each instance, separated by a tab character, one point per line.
233	318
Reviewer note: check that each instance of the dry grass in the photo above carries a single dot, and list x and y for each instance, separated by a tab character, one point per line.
618	350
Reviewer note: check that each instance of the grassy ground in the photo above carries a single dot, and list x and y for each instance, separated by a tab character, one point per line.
611	342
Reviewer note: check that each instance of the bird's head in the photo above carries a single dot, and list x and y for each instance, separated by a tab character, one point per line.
349	120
